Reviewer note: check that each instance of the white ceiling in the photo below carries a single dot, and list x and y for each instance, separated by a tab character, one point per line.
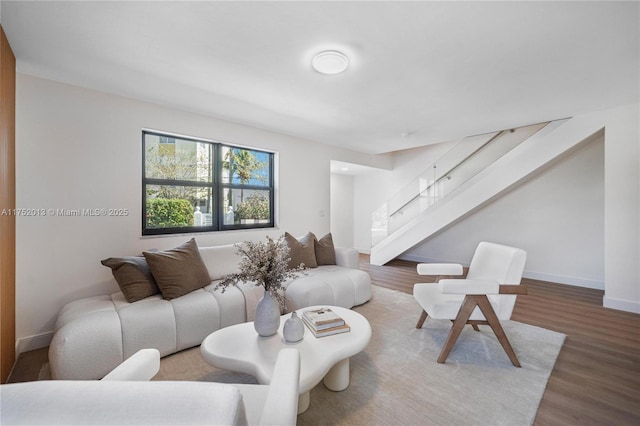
436	70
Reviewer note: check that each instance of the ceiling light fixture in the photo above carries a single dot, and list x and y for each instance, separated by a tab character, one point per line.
330	62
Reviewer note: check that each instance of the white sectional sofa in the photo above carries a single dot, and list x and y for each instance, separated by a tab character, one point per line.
95	334
124	397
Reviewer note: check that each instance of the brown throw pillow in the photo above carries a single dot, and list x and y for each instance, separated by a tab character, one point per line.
301	251
178	271
133	277
325	251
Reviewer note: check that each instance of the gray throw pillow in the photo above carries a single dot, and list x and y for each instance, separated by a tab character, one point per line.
325	251
301	251
133	277
178	271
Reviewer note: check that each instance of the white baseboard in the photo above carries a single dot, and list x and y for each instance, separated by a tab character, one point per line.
542	276
621	305
30	343
562	279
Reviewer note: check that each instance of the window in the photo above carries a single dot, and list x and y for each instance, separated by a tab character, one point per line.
192	185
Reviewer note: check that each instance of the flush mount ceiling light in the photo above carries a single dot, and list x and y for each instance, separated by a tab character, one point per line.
330	62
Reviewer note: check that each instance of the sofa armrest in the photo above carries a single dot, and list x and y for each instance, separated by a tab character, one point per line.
88	347
439	269
469	286
141	366
281	405
347	257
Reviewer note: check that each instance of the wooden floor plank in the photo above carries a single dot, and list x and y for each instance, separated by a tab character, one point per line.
596	379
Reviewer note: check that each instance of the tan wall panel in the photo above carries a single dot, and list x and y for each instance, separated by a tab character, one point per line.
7	203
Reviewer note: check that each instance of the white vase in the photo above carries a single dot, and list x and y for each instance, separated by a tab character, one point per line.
293	330
267	319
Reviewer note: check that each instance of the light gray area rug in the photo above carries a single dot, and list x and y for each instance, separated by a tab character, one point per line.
396	379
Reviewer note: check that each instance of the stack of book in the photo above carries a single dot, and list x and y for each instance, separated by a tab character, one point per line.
324	322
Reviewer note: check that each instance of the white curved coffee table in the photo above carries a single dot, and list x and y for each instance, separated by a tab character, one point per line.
240	348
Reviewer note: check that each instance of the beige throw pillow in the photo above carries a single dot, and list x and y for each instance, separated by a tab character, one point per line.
133	277
178	271
325	251
302	250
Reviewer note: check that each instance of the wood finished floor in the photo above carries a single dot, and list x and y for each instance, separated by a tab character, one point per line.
596	379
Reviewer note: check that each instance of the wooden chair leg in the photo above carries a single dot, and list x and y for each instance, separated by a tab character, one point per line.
423	318
468	305
494	323
475	327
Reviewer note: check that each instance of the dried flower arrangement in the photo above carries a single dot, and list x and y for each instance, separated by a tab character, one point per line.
266	264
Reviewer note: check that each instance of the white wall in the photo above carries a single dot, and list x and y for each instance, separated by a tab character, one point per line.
621	206
77	148
371	190
342	210
556	216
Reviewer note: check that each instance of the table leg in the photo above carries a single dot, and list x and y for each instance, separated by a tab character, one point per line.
303	402
337	379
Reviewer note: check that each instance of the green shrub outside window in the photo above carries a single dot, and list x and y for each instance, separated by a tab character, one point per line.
197	185
169	213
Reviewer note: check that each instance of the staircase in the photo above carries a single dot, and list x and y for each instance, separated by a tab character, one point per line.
474	172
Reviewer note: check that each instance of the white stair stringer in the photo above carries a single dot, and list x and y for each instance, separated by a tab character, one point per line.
523	161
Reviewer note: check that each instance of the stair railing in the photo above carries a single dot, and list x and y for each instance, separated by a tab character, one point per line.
463	161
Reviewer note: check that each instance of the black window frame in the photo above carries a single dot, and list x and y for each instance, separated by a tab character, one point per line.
217	186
